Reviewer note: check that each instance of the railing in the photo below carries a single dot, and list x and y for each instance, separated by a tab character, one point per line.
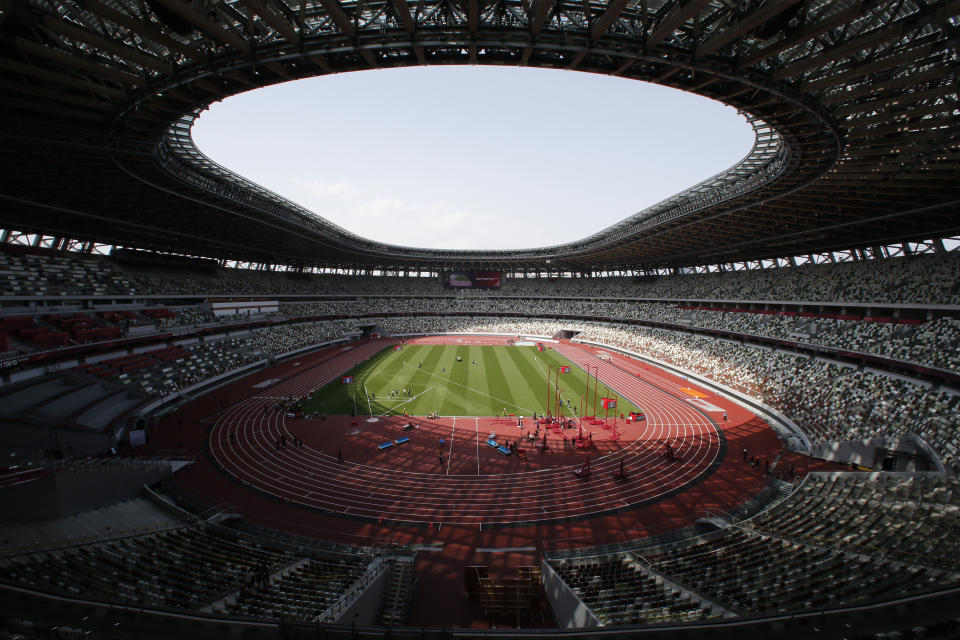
375	571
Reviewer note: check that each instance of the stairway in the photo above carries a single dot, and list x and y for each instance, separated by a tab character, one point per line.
784	489
399	592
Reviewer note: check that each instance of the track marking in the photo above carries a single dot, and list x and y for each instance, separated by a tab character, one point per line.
405	401
477	427
450	452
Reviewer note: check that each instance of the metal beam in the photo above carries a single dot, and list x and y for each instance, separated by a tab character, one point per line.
277	23
57	95
900	99
612	12
129	54
934	73
626	64
746	24
143	28
538	15
34	106
340	18
403	12
680	13
473	17
346	27
804	34
197	18
76	81
860	70
74	61
831	54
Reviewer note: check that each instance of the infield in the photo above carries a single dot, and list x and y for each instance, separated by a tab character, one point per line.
465	380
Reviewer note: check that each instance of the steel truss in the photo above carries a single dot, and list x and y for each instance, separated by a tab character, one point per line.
854	105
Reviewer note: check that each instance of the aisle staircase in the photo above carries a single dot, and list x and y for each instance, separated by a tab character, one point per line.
399	593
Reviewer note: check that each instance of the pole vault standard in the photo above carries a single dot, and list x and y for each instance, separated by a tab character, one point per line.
366	394
606	394
556	385
606	405
549	368
596	383
586	396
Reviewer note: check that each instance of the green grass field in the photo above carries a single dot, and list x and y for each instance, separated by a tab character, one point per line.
505	377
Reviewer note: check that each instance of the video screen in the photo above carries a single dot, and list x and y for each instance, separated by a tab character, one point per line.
460	279
486	279
472	279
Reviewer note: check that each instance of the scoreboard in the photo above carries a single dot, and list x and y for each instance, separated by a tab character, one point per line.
471	279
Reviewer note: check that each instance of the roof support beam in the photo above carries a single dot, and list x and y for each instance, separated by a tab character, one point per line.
860	70
346	27
940	15
473	19
614	8
804	34
538	15
832	54
129	54
879	87
61	79
11	88
577	59
679	14
44	107
277	23
403	12
192	15
743	26
144	28
626	64
76	62
901	100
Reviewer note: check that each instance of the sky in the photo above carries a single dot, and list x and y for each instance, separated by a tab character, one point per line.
473	157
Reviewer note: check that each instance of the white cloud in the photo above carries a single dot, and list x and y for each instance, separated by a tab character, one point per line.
390	219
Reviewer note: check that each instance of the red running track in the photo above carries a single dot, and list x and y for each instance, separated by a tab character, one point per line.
453	547
463	481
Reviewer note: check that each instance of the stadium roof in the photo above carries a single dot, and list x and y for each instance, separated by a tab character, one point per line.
854	103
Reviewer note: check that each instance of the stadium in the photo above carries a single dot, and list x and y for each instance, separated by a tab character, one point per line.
731	414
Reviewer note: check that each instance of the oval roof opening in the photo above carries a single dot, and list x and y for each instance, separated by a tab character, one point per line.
473	157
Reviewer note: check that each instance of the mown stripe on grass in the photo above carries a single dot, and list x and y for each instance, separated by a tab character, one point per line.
500	376
456	401
529	378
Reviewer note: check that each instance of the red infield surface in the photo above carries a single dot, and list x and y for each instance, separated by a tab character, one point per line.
461	499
